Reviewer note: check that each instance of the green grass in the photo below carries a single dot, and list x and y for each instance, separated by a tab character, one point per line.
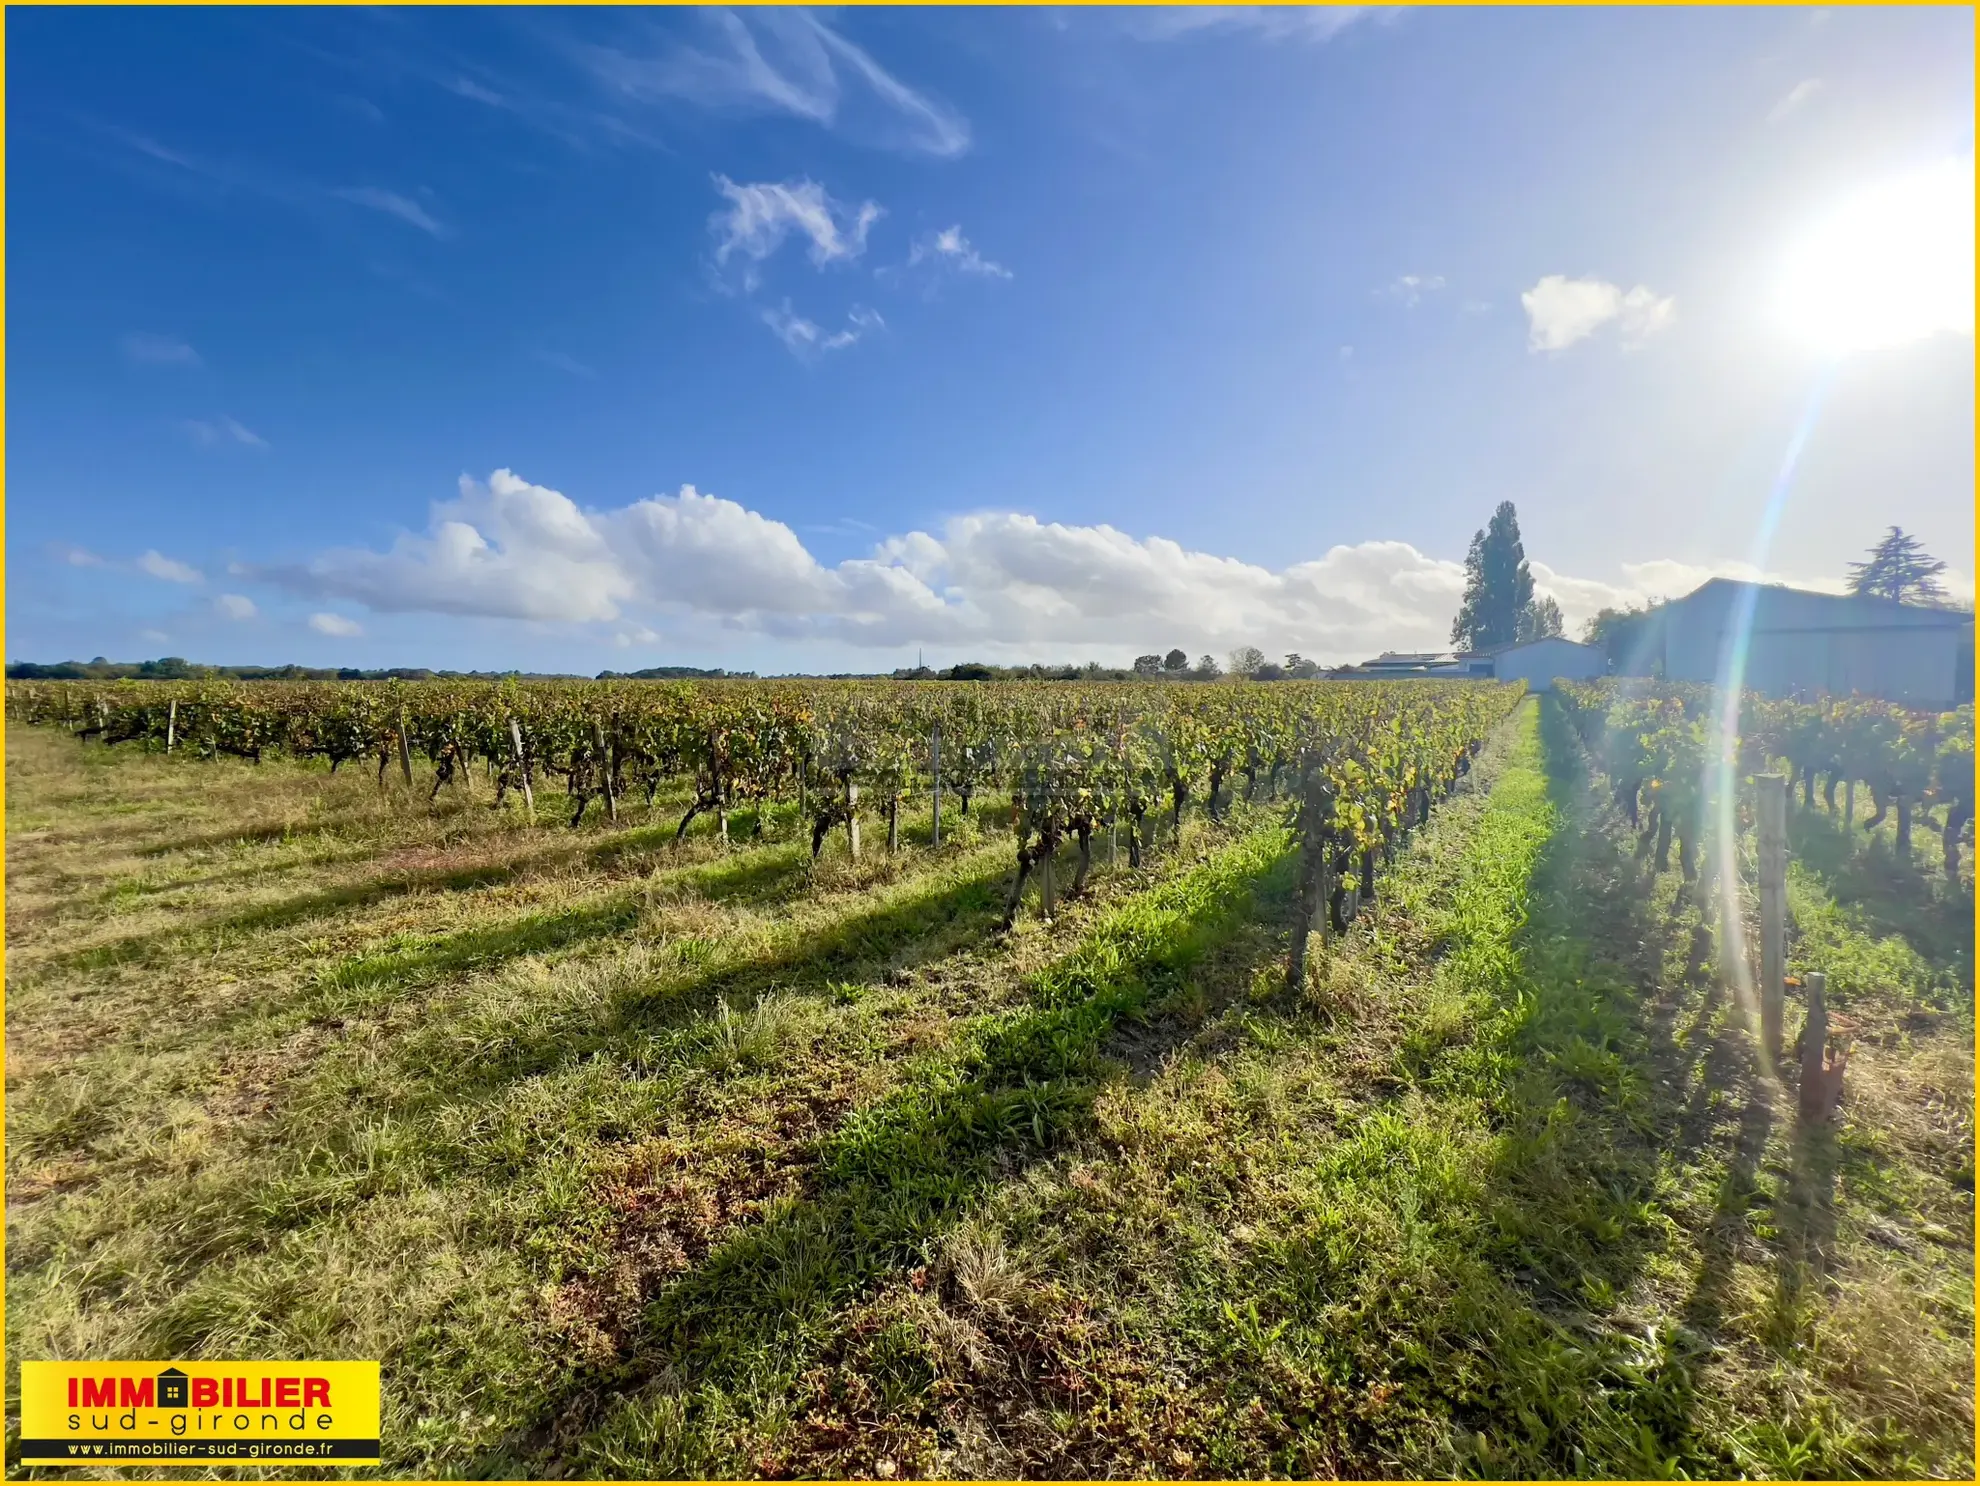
630	1160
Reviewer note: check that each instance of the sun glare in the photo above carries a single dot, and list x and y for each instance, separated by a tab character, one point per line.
1889	266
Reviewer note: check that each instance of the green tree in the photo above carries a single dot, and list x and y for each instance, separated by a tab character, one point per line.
1176	662
1148	665
1541	620
1246	659
1899	569
1498	588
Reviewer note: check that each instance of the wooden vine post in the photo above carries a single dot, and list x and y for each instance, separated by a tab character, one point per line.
935	773
171	724
522	768
1773	908
852	818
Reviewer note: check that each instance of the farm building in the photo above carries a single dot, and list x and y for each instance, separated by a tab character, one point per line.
1803	644
1539	663
1536	662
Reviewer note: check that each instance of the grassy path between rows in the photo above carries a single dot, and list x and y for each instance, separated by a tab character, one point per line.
641	1163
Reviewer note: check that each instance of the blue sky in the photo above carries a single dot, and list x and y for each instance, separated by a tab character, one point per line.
780	339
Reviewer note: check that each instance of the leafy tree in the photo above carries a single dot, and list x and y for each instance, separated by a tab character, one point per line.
1625	635
1899	569
1207	668
1300	668
1497	584
1175	661
1541	620
1148	665
1246	659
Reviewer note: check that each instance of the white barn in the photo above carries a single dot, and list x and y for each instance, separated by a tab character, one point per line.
1539	663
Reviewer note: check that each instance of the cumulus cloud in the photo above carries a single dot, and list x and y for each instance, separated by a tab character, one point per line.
235	606
806	338
789	62
1561	311
158	350
1408	289
157	565
335	624
995	582
949	248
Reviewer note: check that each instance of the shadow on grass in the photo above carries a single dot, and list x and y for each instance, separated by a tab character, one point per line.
892	1179
1586	1089
1864	875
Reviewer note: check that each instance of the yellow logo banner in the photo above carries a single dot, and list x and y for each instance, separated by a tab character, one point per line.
192	1413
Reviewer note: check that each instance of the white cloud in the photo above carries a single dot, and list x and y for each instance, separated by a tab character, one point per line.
1314	23
335	624
235	606
1799	94
565	363
761	216
393	205
156	635
1409	289
211	435
805	337
168	569
791	62
951	248
994	582
1561	311
80	557
158	350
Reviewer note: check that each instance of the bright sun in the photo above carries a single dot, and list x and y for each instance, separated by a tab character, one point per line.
1891	265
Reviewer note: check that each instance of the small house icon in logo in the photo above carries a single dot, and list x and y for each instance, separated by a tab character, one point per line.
172	1389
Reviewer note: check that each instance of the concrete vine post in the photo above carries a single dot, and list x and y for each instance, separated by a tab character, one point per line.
1773	908
405	749
935	774
522	768
605	770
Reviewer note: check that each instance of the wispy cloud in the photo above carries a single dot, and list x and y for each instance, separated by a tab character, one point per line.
781	61
1310	23
467	87
220	431
393	205
1561	311
949	248
1796	97
565	363
223	178
79	557
761	216
158	350
168	569
805	338
1408	289
235	606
